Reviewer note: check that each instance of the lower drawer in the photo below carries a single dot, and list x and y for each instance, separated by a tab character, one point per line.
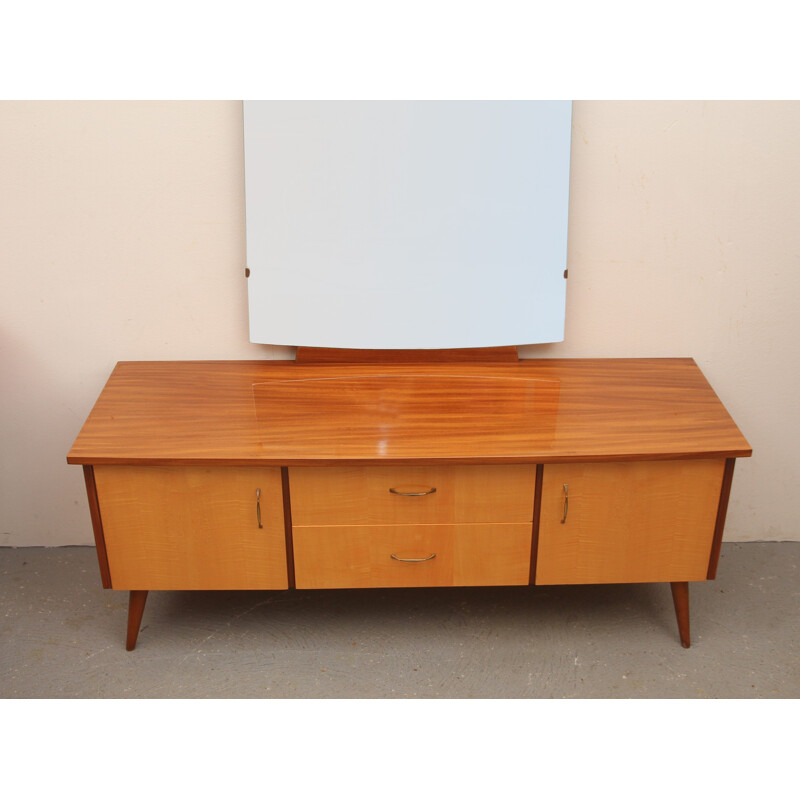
364	556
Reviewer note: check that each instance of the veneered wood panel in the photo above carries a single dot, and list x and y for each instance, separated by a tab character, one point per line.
360	556
193	527
628	522
330	355
362	496
287	414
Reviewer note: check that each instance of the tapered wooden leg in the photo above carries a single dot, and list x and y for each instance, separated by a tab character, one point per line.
680	597
135	612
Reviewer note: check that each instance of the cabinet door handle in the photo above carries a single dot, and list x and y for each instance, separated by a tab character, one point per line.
566	503
413	560
258	507
412	494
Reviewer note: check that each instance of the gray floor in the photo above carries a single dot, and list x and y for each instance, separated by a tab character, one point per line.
62	636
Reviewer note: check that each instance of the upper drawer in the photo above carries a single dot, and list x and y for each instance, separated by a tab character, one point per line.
411	495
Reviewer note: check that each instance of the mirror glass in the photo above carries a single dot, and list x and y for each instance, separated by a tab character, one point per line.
419	224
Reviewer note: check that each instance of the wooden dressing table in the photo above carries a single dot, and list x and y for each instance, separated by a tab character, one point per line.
323	474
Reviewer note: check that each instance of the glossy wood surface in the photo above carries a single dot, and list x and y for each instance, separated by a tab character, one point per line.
193	527
360	556
282	413
628	522
362	496
329	355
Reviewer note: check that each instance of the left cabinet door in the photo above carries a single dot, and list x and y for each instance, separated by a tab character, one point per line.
193	527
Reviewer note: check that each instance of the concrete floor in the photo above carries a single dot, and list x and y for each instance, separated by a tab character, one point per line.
63	636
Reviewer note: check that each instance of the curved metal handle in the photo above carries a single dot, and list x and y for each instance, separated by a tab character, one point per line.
412	494
566	503
258	507
413	560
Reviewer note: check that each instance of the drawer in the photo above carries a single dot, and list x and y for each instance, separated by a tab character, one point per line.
366	556
411	495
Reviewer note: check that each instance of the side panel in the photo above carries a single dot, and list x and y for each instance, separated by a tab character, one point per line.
97	526
727	482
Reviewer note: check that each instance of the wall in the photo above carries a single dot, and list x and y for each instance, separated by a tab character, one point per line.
684	241
122	237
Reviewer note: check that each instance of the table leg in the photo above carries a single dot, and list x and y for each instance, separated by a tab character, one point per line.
135	611
680	597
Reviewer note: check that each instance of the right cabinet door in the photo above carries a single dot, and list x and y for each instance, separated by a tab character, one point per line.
628	522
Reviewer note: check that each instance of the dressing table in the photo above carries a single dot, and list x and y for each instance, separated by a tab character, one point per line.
456	468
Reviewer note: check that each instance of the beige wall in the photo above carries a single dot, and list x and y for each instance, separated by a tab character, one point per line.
122	237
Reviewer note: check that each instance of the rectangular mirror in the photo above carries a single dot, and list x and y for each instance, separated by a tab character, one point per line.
407	225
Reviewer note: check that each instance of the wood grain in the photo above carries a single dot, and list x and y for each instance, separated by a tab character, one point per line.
628	522
361	496
360	556
329	355
193	527
285	414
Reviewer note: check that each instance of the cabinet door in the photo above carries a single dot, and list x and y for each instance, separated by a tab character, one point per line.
628	522
193	527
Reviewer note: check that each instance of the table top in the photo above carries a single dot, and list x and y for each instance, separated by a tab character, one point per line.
283	413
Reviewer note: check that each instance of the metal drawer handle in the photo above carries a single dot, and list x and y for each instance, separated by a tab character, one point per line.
413	494
566	503
258	507
413	560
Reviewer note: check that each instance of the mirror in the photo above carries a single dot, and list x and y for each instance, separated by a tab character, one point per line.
395	224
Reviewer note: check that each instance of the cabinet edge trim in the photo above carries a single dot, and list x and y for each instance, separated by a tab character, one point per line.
287	525
722	510
97	526
537	511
